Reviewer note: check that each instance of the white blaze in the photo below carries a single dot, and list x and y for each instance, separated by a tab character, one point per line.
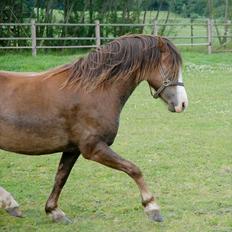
182	98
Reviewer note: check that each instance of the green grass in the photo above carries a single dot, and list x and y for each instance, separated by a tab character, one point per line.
185	158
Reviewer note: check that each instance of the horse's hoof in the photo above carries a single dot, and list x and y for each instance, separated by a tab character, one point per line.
59	216
63	220
153	212
66	220
155	215
15	212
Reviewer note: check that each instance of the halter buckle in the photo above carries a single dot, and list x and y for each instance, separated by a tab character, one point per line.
166	83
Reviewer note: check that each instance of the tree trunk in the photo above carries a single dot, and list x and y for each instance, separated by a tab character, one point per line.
210	9
165	23
226	25
218	33
144	20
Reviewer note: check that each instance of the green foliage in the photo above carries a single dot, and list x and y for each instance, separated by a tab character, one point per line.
14	11
219	9
186	159
107	11
191	9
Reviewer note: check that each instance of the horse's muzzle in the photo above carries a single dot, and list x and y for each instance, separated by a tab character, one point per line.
177	109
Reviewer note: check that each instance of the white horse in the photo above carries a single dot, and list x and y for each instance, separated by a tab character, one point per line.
8	203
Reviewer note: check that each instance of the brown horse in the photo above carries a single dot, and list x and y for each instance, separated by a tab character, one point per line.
75	108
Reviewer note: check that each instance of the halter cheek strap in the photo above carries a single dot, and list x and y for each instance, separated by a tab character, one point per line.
165	84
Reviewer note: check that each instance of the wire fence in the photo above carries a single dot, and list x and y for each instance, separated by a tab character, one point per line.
209	33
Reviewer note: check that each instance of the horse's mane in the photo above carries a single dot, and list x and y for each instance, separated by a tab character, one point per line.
128	55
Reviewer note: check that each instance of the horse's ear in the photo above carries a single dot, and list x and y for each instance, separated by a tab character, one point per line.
161	44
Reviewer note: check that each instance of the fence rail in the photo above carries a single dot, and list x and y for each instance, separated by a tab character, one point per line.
207	34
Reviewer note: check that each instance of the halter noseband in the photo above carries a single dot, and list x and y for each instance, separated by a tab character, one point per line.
166	83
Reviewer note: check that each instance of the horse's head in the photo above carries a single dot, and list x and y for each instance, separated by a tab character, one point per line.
167	80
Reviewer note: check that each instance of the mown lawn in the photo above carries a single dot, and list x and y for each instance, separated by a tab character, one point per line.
186	159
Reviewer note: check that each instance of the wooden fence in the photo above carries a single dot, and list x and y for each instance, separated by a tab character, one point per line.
207	35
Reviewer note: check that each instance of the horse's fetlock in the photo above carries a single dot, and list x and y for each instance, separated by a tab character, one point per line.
49	208
148	201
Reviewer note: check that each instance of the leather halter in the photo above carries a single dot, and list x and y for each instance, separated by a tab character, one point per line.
166	83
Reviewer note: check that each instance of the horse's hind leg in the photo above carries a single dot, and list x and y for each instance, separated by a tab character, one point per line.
101	153
9	204
67	161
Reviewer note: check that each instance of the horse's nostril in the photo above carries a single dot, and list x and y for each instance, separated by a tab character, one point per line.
183	105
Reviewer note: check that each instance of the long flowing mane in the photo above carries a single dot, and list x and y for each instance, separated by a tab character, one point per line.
130	55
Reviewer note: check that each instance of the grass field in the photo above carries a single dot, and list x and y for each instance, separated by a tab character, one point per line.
186	159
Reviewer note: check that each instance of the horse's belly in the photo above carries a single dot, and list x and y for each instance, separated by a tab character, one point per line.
32	141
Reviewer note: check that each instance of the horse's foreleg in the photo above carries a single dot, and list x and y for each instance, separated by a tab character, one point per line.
67	161
101	153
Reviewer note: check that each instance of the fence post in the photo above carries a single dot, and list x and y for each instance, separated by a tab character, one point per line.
97	33
191	28
155	28
209	32
33	37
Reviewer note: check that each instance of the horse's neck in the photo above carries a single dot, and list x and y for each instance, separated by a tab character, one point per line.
125	89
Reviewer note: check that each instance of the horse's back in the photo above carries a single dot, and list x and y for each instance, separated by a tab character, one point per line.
16	75
9	74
